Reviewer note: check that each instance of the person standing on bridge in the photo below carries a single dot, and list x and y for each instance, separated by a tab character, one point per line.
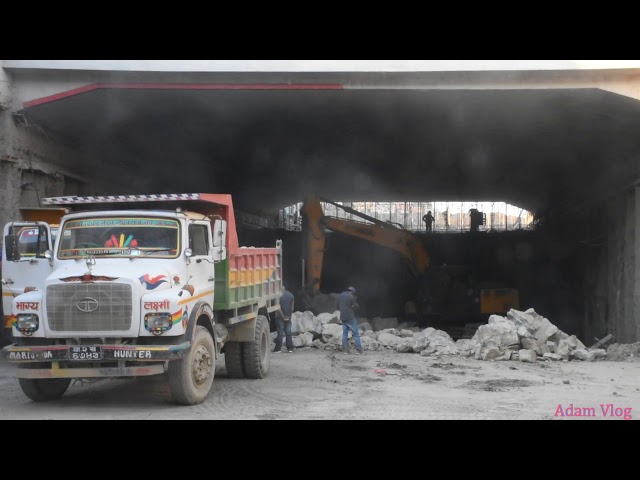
346	303
283	321
428	219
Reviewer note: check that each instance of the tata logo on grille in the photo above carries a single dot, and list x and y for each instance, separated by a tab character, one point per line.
87	305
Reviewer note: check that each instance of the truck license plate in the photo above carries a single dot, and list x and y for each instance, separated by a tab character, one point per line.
85	353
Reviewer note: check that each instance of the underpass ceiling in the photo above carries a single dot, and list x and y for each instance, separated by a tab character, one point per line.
268	148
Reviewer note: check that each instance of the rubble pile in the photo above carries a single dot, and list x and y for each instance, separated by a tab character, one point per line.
623	352
524	336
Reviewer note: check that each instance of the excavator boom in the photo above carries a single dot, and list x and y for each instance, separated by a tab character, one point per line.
439	290
381	233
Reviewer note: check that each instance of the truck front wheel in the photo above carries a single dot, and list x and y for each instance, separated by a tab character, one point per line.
44	389
256	352
190	378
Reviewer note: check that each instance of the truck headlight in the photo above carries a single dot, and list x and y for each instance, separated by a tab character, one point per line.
157	323
27	323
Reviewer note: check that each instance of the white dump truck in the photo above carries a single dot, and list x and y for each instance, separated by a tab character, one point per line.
141	285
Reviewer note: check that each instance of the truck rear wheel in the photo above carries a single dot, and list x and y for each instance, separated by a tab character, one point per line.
44	389
256	352
234	359
190	378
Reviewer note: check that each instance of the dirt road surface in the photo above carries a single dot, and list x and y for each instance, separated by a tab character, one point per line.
312	384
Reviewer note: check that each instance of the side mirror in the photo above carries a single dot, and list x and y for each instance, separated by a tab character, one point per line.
48	254
12	248
188	252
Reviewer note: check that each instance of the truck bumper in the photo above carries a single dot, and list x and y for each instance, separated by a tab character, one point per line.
110	359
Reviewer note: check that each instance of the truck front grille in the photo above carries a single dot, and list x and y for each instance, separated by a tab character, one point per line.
89	307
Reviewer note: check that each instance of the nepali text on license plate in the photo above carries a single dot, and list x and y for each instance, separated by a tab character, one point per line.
85	353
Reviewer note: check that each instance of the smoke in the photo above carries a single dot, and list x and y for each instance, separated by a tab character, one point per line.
270	148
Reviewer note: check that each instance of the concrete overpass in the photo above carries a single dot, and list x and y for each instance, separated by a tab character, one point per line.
556	137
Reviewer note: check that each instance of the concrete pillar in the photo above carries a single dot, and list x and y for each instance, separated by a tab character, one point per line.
28	170
623	268
635	318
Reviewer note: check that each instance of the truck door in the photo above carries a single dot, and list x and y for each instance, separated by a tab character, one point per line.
201	268
23	260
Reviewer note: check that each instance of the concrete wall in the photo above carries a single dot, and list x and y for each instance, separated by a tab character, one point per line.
610	261
34	165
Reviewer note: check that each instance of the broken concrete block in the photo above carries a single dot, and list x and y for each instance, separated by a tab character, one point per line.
405	345
392	331
446	349
305	322
527	356
330	332
319	344
547	330
308	339
369	343
496	318
558	337
388	340
552	356
406	333
300	341
501	333
437	339
524	333
551	346
478	352
583	354
383	323
366	326
328	318
523	319
371	334
505	356
490	353
564	350
531	344
599	352
575	343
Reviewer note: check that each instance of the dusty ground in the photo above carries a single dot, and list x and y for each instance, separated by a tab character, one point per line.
312	384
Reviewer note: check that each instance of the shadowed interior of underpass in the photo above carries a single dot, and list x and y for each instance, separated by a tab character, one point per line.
569	156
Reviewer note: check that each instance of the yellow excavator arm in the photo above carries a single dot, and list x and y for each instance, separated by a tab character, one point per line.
381	233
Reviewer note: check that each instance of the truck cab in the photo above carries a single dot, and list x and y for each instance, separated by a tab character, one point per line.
140	291
24	265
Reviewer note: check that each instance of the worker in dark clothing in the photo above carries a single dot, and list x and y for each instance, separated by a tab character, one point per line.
346	303
283	321
428	219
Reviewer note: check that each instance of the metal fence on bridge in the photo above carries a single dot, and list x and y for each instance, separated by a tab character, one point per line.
448	216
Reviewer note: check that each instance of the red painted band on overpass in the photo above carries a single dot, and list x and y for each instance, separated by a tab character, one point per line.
185	86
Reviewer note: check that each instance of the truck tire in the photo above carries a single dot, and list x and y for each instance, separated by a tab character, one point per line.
44	389
256	353
234	359
190	378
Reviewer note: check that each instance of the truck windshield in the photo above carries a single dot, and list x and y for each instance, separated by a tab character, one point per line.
120	237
